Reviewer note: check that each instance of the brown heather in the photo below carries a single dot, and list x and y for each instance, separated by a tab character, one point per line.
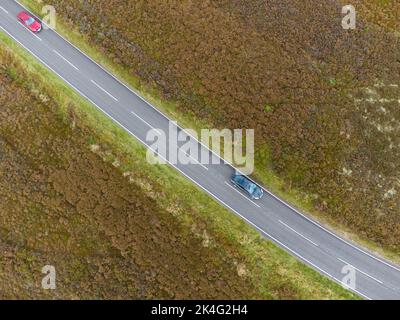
113	226
324	100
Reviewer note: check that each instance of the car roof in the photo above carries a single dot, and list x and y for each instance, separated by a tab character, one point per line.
247	184
243	180
24	14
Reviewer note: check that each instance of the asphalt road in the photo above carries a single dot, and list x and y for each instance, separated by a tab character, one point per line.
300	236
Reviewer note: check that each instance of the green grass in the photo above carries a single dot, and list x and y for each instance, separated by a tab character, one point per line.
180	193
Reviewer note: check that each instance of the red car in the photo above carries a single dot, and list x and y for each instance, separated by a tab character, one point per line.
30	22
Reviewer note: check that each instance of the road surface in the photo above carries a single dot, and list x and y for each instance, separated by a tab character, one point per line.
294	232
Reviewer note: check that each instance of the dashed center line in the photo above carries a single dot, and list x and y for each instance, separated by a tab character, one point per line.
3	9
188	155
298	233
104	90
40	39
230	186
35	35
57	53
159	132
364	273
148	124
197	162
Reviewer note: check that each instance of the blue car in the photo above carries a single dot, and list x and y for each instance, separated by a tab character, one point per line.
244	183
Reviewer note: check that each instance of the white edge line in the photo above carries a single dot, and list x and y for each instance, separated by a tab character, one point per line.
62	57
104	90
5	11
195	182
298	233
345	262
332	233
230	164
230	186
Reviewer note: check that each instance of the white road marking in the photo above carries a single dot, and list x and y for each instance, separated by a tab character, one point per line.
183	173
197	162
104	90
159	131
329	231
179	170
57	53
145	122
32	33
3	9
269	192
364	273
35	35
298	233
230	186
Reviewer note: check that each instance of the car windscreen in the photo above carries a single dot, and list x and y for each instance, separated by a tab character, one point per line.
246	184
251	187
30	21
